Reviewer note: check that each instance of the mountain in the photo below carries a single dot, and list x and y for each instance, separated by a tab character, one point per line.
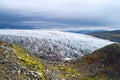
110	35
103	64
54	45
85	31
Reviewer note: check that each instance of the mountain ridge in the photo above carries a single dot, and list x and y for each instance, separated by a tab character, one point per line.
109	35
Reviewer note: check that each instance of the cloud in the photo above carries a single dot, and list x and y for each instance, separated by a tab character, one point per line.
84	12
60	8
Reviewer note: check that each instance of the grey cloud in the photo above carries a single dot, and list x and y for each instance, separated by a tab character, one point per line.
72	12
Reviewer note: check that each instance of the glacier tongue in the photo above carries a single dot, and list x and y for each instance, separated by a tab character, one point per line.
54	45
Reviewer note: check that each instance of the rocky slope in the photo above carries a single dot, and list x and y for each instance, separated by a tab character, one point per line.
110	35
54	45
103	64
16	63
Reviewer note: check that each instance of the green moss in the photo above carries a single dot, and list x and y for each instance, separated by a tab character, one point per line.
25	58
65	71
95	78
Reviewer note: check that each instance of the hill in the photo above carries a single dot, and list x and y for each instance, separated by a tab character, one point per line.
103	64
110	35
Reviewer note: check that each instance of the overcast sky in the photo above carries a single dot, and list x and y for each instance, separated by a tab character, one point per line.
60	13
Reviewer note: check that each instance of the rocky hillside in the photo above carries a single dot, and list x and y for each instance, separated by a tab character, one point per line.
110	35
16	63
103	64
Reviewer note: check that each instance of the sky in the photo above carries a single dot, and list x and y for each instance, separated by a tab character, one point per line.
60	14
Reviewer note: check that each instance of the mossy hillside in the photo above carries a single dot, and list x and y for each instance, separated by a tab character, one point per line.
8	64
32	66
101	64
64	71
25	58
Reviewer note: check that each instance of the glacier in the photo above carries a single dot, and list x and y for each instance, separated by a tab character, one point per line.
54	45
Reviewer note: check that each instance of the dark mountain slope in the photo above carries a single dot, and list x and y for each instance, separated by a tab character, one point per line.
103	64
85	31
110	35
